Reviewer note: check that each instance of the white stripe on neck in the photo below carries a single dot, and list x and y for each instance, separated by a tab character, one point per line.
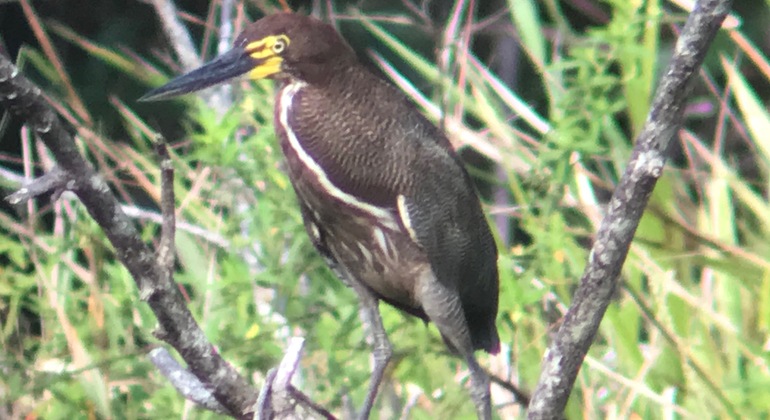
384	216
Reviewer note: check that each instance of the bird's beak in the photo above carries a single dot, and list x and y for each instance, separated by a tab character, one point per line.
230	65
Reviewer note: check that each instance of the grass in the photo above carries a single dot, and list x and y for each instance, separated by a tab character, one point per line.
686	336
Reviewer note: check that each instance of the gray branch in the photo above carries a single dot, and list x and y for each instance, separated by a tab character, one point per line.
178	36
166	251
565	355
184	47
183	381
24	101
279	399
208	380
54	181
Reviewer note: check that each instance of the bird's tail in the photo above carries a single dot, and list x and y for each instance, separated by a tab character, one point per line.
488	340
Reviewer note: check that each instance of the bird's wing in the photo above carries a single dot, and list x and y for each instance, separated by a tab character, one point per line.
444	217
447	221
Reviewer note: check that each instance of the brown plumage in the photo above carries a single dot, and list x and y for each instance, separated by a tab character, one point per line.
385	199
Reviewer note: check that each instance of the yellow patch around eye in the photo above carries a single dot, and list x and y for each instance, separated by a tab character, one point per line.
283	38
268	68
256	45
262	54
263	48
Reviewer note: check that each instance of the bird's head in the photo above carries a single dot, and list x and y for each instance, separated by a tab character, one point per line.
282	45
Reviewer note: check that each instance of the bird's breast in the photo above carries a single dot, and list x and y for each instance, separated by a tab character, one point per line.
369	241
304	167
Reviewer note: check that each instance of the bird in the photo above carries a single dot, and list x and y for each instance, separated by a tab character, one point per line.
384	197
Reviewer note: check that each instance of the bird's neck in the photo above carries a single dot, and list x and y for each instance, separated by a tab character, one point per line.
323	73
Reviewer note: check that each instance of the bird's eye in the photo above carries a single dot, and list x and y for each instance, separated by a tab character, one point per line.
279	46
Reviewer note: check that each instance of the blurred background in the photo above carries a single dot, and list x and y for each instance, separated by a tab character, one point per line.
542	98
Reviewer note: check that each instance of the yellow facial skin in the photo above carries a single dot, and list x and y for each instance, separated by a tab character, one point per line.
267	51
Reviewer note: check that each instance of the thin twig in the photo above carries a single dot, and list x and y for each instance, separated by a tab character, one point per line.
307	402
279	398
177	34
166	249
183	381
201	232
282	402
522	398
55	181
263	410
289	363
133	212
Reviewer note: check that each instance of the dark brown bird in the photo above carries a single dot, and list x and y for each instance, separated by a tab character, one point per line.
384	197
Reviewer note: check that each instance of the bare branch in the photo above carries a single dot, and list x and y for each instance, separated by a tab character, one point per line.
177	34
263	410
185	382
289	364
24	100
165	253
133	212
522	398
210	381
565	355
54	181
201	232
303	400
278	398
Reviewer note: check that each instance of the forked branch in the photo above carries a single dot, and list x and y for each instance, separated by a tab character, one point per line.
152	272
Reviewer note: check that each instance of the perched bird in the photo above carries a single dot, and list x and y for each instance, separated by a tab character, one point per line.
384	197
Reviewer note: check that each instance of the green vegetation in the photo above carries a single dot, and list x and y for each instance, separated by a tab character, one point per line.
686	337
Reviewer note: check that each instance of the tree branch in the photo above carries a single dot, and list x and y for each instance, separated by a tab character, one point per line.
54	181
177	325
565	355
209	380
166	246
35	187
278	398
187	384
178	36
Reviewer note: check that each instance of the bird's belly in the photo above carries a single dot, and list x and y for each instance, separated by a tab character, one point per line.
379	258
366	242
367	249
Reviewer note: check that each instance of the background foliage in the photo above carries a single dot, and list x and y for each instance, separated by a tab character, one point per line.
544	102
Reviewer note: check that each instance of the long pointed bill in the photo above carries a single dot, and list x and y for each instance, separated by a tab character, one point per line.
229	65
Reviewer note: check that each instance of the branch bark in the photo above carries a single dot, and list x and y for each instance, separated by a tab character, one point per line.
565	355
208	380
177	325
187	384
